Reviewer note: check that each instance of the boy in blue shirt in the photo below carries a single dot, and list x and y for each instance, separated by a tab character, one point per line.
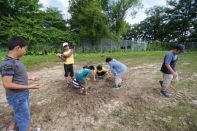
82	75
117	69
15	82
168	68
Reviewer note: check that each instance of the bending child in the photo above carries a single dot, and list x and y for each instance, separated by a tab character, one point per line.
82	76
117	69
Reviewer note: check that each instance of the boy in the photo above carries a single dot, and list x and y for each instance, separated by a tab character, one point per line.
81	76
15	82
68	58
168	68
100	72
117	69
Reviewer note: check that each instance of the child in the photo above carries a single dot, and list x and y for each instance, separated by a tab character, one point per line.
81	76
15	82
68	59
117	69
100	72
168	68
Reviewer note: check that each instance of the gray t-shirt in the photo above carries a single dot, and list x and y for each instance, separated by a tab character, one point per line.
14	67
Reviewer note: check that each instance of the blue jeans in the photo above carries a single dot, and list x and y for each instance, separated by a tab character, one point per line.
21	109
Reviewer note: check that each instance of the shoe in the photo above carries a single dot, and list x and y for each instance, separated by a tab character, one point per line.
36	129
165	93
115	87
86	93
161	83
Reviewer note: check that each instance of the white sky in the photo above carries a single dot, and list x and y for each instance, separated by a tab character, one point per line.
63	6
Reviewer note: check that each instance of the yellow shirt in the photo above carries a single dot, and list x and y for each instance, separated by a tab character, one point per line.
70	59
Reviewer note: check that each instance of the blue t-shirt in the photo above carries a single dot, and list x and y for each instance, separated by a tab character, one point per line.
170	59
117	67
82	74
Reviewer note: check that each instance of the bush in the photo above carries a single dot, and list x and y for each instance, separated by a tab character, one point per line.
158	45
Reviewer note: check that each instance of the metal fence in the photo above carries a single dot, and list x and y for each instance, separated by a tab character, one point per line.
190	45
108	45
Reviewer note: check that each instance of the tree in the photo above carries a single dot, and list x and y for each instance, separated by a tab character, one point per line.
45	30
96	19
88	20
175	23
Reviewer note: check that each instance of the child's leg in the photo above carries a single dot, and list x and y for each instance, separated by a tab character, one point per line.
167	78
71	72
66	69
83	88
21	110
118	80
11	126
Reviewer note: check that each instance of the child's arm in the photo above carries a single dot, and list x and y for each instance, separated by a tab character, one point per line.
168	60
33	78
7	83
113	71
68	55
94	75
61	56
171	70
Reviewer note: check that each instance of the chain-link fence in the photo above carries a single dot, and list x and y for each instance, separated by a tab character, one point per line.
108	45
105	45
190	46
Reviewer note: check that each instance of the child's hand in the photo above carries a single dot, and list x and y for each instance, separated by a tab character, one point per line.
34	86
34	78
58	54
174	75
88	79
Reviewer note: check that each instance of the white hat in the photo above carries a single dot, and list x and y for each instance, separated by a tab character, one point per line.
65	44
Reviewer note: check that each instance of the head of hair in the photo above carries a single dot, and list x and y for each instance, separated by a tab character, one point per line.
16	41
179	47
91	67
108	59
85	67
99	67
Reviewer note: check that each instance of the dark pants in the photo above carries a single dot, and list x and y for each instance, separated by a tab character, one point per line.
68	68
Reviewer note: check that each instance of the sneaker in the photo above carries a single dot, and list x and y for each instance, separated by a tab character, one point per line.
36	129
86	93
115	87
165	93
161	83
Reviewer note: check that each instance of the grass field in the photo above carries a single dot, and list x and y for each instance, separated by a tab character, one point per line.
137	58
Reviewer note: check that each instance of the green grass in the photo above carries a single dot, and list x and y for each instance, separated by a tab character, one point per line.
135	58
128	118
183	117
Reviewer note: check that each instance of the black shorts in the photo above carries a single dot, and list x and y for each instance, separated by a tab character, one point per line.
68	68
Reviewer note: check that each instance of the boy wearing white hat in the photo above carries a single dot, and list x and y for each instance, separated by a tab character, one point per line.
68	59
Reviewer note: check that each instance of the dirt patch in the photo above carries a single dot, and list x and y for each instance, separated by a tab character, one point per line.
58	108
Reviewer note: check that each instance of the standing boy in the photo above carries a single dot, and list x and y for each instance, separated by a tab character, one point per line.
117	69
168	68
68	61
15	82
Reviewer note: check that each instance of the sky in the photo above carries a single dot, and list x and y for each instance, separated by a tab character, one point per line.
63	6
